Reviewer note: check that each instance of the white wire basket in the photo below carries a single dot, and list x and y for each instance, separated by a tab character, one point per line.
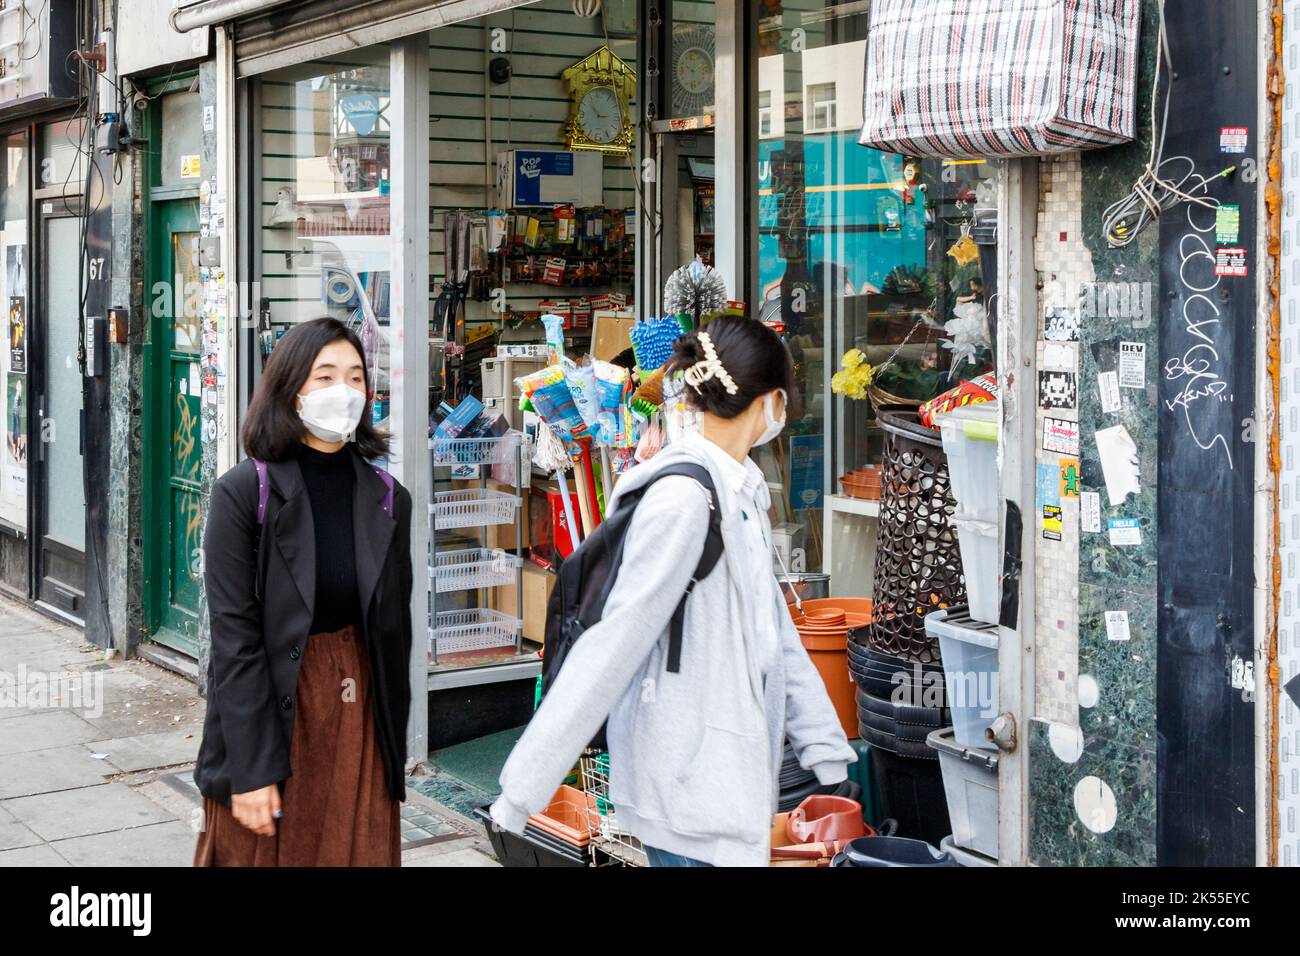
606	833
472	508
475	629
476	451
474	568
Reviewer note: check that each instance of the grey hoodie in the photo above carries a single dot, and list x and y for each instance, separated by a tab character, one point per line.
694	756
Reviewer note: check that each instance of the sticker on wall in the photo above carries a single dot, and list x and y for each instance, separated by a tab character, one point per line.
1063	356
190	166
1069	472
1232	139
1119	463
1132	365
1052	522
1094	802
1108	387
1090	512
1230	262
1117	626
1124	532
1061	436
1061	324
1049	485
209	118
1227	224
1058	390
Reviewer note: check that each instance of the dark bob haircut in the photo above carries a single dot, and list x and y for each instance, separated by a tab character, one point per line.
273	430
753	355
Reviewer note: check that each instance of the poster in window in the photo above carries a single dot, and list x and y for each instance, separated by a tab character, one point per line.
13	459
16	289
807	456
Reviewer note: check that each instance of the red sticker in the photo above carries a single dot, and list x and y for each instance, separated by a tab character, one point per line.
1230	262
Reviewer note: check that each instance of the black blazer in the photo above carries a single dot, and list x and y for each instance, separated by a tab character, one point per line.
261	590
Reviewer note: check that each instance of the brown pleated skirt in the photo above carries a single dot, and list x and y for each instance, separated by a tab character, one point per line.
337	809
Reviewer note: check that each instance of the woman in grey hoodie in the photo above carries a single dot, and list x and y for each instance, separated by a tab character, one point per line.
695	755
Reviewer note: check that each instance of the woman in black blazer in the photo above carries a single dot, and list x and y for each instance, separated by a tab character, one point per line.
307	568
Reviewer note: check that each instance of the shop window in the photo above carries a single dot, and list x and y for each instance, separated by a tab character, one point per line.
856	249
323	137
691	53
14	364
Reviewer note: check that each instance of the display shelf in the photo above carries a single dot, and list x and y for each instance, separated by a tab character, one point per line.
472	508
473	629
474	568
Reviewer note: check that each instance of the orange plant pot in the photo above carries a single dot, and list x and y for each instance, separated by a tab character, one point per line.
827	648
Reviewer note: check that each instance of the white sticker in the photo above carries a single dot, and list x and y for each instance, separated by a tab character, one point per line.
209	118
1108	384
1124	532
1117	626
1119	463
1090	512
1132	365
1060	355
194	378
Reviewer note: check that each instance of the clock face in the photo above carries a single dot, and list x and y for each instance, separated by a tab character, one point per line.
694	70
600	115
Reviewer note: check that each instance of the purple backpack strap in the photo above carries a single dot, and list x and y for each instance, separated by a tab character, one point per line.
388	480
263	489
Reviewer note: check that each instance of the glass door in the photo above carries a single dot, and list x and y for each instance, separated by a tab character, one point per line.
60	548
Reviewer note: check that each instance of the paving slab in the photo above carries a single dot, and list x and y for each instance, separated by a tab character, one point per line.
85	811
39	855
13	834
43	730
160	844
147	751
46	771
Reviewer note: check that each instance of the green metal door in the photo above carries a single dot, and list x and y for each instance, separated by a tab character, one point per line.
174	448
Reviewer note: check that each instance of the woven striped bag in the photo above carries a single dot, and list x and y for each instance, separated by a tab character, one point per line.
994	78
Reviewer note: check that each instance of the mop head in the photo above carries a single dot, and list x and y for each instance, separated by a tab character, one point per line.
652	341
550	455
695	289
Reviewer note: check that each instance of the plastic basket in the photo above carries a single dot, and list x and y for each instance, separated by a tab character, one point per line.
475	451
970	440
472	508
472	630
474	568
970	672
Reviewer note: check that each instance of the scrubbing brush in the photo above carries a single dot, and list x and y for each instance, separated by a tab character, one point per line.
652	340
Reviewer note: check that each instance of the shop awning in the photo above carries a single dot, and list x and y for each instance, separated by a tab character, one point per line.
269	34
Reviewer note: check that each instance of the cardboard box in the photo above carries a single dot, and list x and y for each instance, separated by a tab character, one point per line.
547	177
611	333
538	585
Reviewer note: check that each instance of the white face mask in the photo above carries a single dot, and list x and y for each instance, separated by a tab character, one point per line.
332	414
774	425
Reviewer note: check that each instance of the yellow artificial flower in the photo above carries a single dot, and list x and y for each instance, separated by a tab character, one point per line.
852	359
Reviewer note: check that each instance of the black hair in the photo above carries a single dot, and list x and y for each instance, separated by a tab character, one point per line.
753	355
272	429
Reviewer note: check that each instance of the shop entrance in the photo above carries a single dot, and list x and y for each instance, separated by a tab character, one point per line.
60	557
173	517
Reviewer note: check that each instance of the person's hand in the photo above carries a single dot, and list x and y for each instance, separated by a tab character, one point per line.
257	810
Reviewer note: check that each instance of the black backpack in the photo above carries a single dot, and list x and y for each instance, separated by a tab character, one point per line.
587	576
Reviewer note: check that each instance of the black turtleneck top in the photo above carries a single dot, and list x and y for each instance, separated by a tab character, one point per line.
331	481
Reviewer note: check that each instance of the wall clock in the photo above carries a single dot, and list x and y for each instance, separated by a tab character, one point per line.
601	87
692	71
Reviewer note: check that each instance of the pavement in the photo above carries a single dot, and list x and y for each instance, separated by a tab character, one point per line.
97	758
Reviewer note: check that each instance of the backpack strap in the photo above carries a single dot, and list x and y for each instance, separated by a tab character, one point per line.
263	490
708	560
388	480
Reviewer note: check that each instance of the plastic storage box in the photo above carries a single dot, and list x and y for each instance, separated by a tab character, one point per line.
965	857
970	780
969	650
981	565
970	440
